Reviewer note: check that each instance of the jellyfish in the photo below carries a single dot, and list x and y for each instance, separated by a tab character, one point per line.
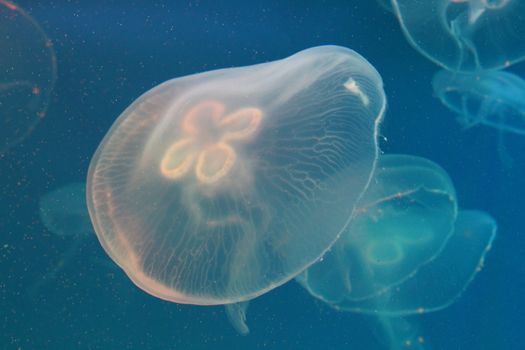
64	213
28	66
494	98
217	187
433	287
402	222
445	278
390	206
401	238
465	35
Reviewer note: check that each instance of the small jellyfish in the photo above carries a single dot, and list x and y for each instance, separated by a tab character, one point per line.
28	66
218	187
465	35
64	213
402	222
348	268
494	98
445	278
351	278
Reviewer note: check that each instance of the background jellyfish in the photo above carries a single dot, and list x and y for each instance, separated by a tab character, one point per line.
445	278
64	213
28	66
218	187
495	98
403	221
465	35
348	267
358	274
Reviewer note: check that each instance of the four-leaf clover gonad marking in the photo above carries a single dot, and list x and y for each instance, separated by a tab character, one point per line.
206	144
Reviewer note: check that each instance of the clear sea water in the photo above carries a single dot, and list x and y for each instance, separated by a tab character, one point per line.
110	52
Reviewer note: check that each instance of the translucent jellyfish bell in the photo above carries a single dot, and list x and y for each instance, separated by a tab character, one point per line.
404	219
465	35
495	98
64	213
348	268
445	278
28	74
218	187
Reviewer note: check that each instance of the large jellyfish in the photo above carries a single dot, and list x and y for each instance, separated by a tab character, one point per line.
494	98
64	213
465	35
218	187
28	74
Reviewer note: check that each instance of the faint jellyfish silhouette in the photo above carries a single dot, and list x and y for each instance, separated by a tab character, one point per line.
509	146
495	98
204	189
465	35
403	221
28	66
64	213
445	278
349	268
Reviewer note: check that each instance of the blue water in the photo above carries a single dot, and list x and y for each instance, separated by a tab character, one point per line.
110	52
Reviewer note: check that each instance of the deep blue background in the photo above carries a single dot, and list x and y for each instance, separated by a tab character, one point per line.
109	52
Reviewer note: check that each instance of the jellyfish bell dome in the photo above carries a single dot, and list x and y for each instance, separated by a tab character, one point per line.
493	98
465	35
28	69
217	187
408	249
403	220
63	211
